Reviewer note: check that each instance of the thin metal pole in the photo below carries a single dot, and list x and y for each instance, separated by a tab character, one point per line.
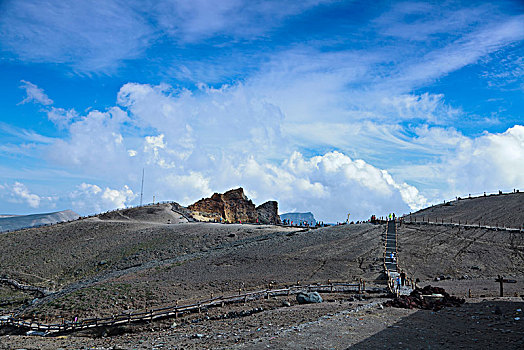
142	188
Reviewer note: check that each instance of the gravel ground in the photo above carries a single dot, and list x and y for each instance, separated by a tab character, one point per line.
483	323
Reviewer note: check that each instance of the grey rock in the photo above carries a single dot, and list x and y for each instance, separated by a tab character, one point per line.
309	298
286	303
37	333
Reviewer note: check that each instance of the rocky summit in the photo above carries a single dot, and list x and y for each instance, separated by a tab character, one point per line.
234	206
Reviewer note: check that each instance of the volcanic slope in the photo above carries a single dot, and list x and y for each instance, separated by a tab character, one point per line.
122	263
502	210
465	251
108	264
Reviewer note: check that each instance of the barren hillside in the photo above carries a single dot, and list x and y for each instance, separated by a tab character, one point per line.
142	258
504	210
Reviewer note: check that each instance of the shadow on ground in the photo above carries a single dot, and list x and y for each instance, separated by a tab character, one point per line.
488	324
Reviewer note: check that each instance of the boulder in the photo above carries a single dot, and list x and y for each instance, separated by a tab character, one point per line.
309	298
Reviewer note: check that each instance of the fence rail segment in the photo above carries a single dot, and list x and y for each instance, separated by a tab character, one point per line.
25	287
459	223
176	311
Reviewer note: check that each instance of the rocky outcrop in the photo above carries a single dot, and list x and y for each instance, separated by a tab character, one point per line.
234	206
268	213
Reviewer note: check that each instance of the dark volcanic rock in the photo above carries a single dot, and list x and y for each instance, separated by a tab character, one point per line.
425	298
268	213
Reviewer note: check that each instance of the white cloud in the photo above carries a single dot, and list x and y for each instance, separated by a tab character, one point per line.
243	139
488	162
61	117
118	198
464	51
313	99
75	33
465	165
428	107
329	185
90	198
189	187
202	19
94	144
424	21
19	193
34	94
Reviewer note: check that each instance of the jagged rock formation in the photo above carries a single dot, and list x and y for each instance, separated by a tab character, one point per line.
268	213
234	206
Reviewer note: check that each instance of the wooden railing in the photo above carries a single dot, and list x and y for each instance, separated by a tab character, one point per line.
176	310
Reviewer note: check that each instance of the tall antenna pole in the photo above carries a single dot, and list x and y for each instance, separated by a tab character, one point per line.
142	188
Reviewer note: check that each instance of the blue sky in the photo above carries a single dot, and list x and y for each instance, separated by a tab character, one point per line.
326	106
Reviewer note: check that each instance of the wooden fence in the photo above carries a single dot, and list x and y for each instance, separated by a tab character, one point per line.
41	291
427	220
177	311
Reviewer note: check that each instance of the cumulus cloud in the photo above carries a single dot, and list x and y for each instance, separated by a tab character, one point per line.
19	193
90	198
488	162
94	143
34	94
465	165
330	185
334	184
276	130
196	142
61	117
